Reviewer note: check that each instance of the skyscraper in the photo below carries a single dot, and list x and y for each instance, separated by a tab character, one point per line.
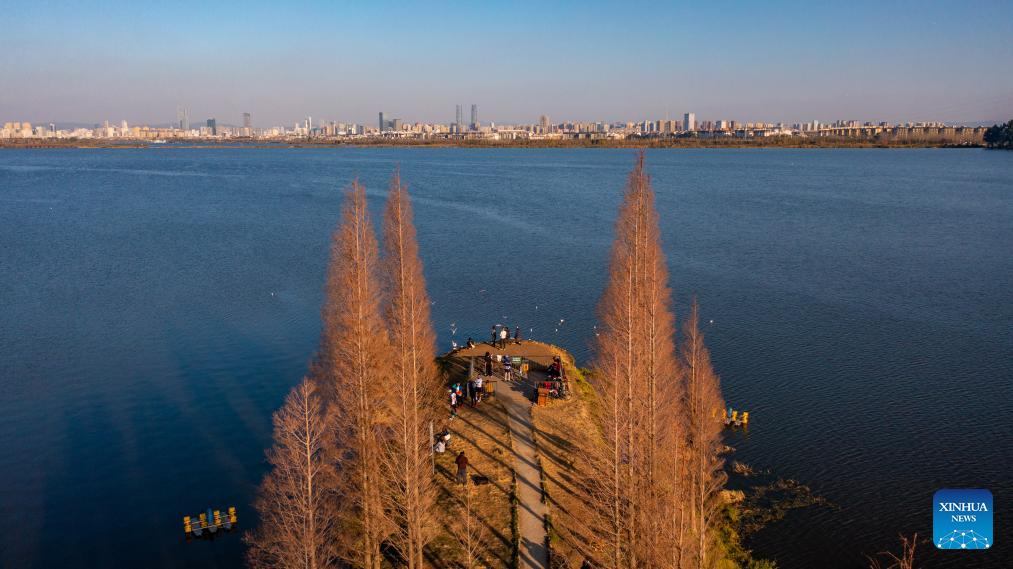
543	121
383	122
213	126
183	117
474	117
689	122
247	121
460	118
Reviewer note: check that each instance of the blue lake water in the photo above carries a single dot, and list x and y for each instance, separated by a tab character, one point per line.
156	305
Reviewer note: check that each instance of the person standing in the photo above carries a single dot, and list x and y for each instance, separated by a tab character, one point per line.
488	364
504	333
479	383
462	468
507	368
517	335
493	335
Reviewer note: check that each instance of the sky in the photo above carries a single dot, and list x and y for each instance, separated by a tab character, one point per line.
766	61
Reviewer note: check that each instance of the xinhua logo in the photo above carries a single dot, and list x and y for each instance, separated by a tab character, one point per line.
962	519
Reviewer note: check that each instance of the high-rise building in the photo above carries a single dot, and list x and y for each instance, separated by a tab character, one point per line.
213	126
543	121
247	121
183	118
459	121
474	117
689	121
383	122
396	124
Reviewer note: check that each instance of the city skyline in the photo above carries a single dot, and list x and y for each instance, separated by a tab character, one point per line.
779	62
388	129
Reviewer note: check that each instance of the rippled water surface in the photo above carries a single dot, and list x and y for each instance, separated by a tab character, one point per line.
156	305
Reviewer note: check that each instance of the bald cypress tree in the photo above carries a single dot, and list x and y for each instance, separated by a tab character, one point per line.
296	501
353	356
636	377
703	412
415	387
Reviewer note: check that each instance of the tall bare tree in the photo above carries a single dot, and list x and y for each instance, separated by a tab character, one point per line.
295	500
415	387
663	426
636	378
470	531
353	357
703	411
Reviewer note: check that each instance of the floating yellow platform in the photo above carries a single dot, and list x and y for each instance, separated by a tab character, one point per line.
209	522
732	418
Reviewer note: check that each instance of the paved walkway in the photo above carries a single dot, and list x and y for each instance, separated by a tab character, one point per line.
530	509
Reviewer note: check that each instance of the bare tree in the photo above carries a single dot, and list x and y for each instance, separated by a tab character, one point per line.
636	378
415	389
470	532
295	501
354	349
703	412
663	424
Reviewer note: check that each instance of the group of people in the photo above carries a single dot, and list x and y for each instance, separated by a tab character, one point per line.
499	336
507	367
500	333
440	446
457	394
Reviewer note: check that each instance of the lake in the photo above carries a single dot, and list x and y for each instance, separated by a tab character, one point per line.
157	304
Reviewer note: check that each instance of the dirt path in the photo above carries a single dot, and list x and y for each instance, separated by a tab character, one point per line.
530	509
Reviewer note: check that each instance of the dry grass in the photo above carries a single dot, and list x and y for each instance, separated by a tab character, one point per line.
484	436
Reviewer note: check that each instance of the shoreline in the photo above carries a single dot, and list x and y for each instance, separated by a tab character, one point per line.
629	144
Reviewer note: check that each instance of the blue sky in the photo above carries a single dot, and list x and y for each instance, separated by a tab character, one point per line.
770	61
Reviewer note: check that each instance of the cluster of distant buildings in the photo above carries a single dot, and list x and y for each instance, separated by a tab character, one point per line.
389	127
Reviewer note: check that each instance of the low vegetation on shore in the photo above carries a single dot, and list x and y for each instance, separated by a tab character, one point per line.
1000	136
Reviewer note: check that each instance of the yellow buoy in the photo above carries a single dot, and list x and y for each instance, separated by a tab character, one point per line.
745	418
218	518
204	521
232	514
187	527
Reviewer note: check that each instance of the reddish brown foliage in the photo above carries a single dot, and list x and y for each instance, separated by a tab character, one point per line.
353	355
296	500
704	425
415	388
637	380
